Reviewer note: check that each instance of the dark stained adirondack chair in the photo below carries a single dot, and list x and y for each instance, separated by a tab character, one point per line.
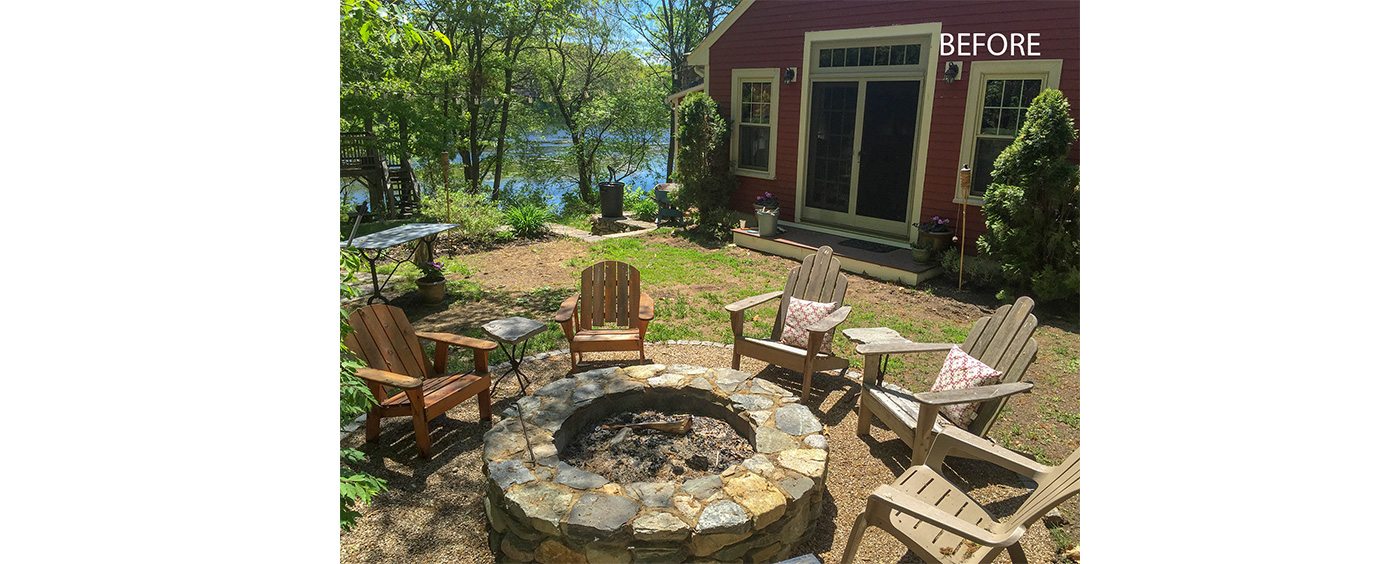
818	279
385	340
1002	341
610	295
930	515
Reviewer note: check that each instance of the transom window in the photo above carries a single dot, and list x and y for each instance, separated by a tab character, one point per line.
1004	104
870	56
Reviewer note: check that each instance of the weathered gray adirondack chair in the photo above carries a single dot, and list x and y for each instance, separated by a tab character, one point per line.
1002	341
930	515
819	279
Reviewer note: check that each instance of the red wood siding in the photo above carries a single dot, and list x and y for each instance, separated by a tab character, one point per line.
770	34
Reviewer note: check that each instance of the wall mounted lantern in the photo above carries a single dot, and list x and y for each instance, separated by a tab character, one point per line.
789	75
951	73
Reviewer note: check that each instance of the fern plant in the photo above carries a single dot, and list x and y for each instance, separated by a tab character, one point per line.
355	399
528	220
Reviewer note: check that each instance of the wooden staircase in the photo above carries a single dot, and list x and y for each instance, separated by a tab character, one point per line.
360	158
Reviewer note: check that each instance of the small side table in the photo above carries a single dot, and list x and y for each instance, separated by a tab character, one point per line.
866	335
513	333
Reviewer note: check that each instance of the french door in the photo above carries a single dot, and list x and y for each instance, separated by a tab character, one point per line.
860	154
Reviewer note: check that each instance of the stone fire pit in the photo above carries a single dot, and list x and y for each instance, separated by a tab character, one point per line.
541	509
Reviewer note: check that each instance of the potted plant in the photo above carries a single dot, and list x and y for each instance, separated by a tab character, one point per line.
936	233
765	210
921	251
432	287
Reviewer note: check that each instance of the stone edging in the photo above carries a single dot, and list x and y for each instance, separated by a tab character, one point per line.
545	510
495	368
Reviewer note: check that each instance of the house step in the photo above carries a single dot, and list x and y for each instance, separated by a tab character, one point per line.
796	243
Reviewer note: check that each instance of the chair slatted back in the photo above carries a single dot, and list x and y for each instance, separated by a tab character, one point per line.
819	279
384	339
610	292
1062	484
1004	342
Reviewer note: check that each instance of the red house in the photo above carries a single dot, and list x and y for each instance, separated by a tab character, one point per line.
858	115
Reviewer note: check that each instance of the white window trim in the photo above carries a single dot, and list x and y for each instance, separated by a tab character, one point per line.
930	30
1048	70
737	79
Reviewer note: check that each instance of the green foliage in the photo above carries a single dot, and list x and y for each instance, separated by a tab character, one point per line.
528	220
977	271
638	200
1032	206
702	164
476	213
355	399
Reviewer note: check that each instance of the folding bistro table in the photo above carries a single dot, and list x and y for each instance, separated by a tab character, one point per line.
417	233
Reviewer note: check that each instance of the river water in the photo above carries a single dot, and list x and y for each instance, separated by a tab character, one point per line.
653	172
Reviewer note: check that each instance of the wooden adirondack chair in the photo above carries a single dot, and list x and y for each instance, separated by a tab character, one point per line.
930	515
610	293
819	279
386	342
1002	341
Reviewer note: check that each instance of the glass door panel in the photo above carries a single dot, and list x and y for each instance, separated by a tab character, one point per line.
887	149
831	145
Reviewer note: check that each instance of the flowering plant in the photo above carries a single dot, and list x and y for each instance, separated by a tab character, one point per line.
767	200
432	271
936	225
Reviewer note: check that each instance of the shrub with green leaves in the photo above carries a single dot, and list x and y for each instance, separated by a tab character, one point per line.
355	399
702	164
977	271
528	220
1032	206
639	201
476	213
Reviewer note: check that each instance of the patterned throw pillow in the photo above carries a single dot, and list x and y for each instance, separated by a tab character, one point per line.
961	371
802	314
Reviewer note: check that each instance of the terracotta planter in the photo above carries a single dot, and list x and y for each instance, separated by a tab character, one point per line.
937	242
767	221
432	291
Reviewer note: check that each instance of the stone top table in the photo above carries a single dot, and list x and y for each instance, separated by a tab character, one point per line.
543	509
867	335
513	333
418	233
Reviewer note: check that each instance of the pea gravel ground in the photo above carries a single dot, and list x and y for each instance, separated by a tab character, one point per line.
432	509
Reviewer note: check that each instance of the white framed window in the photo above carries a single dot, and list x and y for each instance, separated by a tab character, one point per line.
998	93
754	113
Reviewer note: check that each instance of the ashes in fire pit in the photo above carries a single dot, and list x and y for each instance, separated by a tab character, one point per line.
630	454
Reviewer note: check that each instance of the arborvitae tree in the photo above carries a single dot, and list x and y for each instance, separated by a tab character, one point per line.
702	163
1032	206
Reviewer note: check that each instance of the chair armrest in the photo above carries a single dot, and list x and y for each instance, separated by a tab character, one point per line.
388	378
900	347
831	320
566	309
458	340
957	442
646	308
976	393
945	520
749	302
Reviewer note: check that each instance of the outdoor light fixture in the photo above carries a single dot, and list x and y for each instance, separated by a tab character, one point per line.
789	75
951	73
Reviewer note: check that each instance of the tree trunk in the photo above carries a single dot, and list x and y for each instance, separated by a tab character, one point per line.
501	135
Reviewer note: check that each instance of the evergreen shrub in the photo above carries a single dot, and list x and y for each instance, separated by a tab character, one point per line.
1032	206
